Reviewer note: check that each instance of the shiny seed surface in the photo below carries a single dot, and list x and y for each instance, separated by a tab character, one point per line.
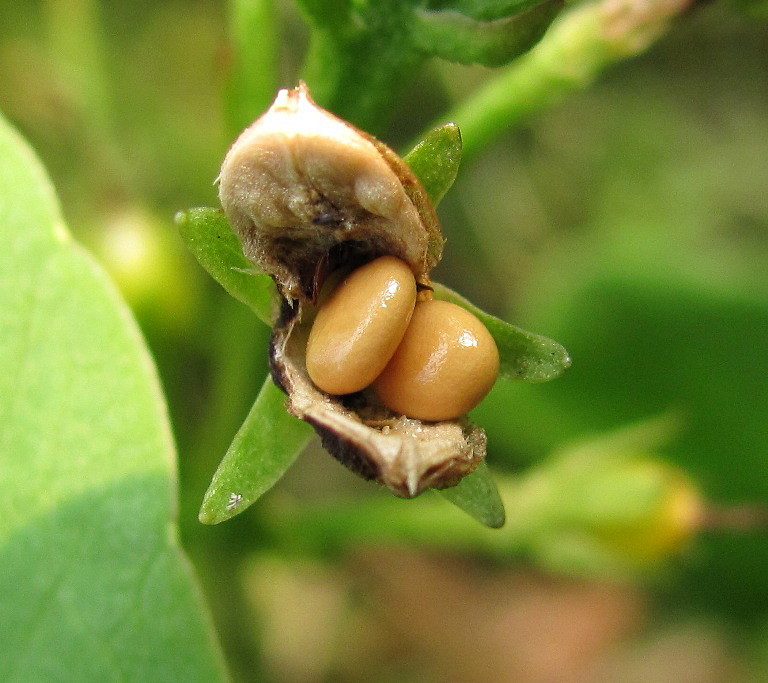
360	325
445	365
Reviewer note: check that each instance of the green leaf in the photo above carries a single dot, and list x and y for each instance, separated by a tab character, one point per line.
371	49
481	9
435	160
478	496
523	355
264	448
94	584
209	237
460	38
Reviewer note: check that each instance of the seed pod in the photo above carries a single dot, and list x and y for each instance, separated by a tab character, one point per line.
309	194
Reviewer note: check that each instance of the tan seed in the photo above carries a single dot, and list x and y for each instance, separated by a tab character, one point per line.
445	365
360	325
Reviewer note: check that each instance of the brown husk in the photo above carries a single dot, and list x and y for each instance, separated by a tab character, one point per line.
406	455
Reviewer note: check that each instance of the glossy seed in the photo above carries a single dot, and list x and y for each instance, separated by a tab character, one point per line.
360	325
445	365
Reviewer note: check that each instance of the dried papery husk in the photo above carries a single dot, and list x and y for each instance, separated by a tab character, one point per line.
404	454
306	192
310	195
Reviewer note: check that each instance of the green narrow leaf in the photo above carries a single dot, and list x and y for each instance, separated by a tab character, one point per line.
209	237
523	355
463	39
478	496
435	160
264	448
93	581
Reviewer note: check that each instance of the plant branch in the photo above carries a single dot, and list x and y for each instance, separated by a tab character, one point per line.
579	46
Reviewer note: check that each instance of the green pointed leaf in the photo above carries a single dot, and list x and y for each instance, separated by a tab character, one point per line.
523	355
461	38
261	452
478	496
435	160
93	581
209	237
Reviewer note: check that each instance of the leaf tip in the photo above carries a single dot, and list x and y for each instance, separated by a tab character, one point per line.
213	509
205	518
452	130
496	520
478	496
561	359
207	514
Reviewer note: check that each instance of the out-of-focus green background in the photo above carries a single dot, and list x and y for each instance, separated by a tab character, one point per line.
629	223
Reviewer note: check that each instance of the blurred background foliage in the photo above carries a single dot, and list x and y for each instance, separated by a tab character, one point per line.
629	222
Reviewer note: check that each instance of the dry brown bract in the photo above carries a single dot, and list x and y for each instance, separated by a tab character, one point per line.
309	194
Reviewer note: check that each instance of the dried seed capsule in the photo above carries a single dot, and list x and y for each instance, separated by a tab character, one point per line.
309	194
360	325
302	188
445	365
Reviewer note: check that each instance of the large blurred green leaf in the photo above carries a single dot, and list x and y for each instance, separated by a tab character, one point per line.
93	583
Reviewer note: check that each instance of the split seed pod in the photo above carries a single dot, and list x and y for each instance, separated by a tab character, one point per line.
309	194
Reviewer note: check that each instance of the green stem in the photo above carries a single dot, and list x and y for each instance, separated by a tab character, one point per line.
253	79
76	40
427	522
577	48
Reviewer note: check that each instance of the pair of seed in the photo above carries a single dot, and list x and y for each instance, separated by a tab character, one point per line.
429	360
